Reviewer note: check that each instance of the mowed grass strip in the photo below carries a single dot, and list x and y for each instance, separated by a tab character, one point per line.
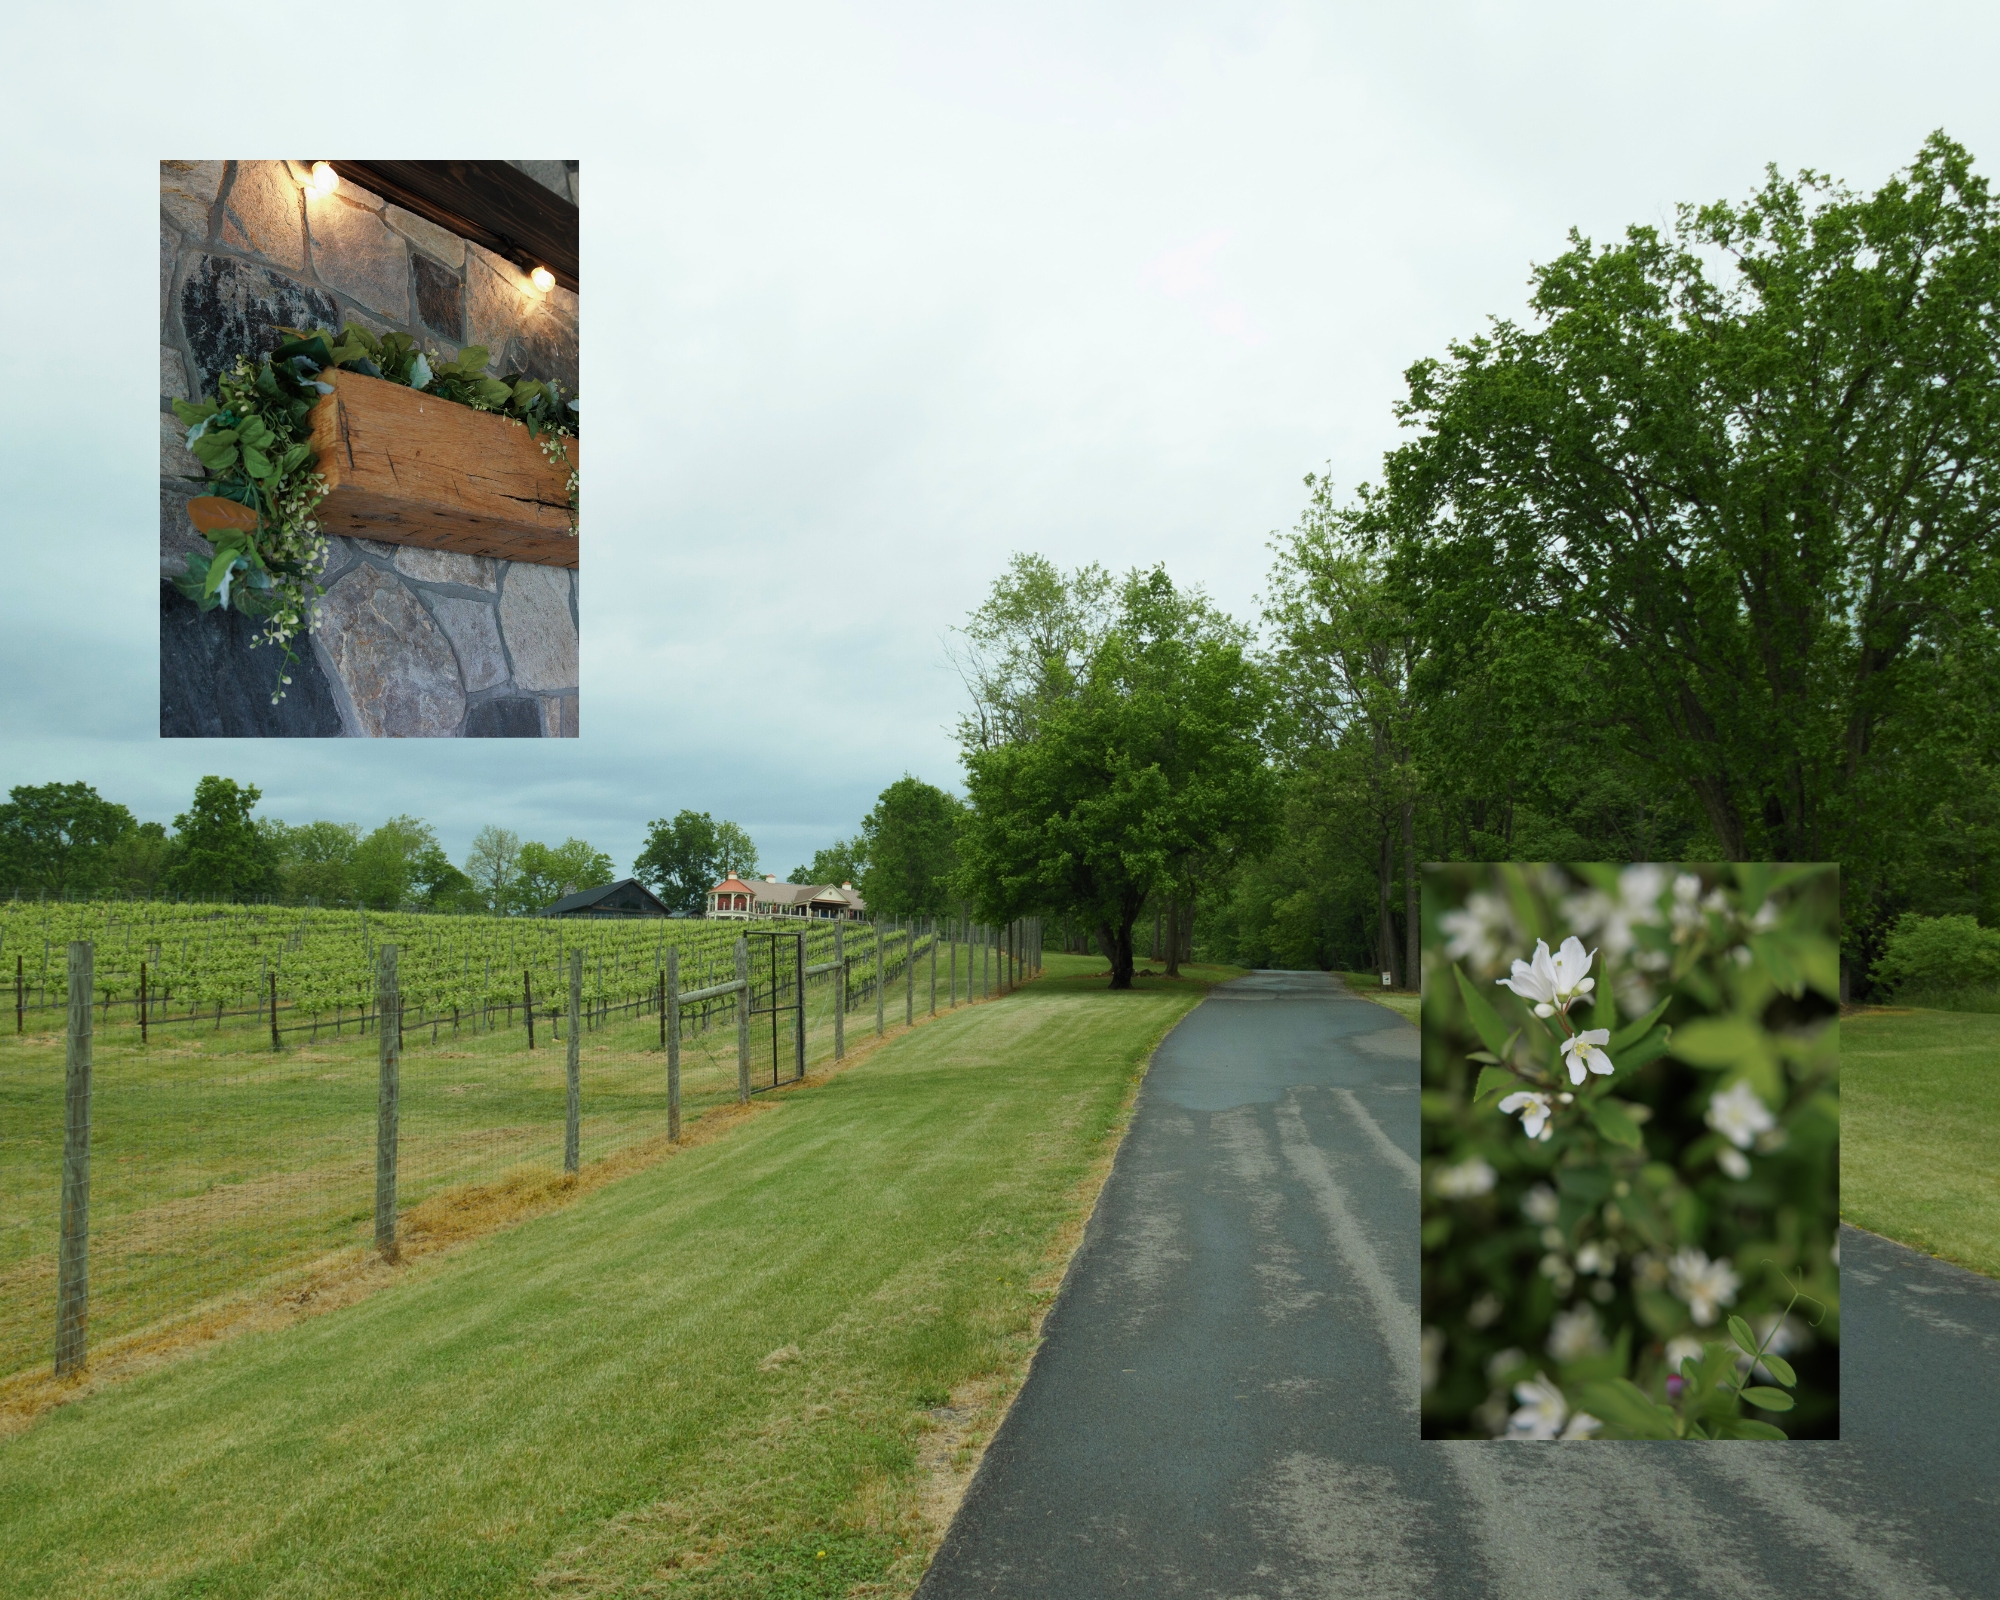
692	1380
1920	1121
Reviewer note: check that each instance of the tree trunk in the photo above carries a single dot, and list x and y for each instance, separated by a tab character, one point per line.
1117	942
1173	936
1412	918
1385	919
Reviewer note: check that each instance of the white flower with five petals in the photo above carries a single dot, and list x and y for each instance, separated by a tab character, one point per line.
1535	1111
1584	1052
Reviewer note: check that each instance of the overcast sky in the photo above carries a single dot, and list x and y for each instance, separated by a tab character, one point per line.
875	296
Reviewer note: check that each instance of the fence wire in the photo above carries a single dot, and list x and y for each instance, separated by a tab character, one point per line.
226	1160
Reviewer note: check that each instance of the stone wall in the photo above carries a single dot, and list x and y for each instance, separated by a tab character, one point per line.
410	643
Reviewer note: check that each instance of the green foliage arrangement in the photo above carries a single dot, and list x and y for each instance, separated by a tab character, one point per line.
1630	1151
252	438
1936	958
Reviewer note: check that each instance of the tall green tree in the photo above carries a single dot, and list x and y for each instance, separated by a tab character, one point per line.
492	865
1729	510
685	858
1139	757
220	850
57	837
138	861
912	850
316	860
843	861
547	873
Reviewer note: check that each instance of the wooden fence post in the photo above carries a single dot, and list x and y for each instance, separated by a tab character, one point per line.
73	1259
670	1004
274	1009
528	1006
933	968
985	963
840	989
142	1002
388	1098
878	980
909	971
573	1120
799	1031
743	1022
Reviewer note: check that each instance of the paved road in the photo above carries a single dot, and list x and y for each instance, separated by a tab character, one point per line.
1225	1401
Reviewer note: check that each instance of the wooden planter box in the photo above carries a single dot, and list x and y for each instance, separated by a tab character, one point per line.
405	467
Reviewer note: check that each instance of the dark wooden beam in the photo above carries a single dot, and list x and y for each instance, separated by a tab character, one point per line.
488	202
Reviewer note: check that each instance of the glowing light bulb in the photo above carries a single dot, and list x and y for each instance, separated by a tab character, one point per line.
542	279
325	179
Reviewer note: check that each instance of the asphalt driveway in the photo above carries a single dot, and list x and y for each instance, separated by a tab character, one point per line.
1224	1403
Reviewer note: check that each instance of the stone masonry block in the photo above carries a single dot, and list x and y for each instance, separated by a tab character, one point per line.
443	566
440	243
176	460
393	661
497	296
187	193
535	620
265	214
357	253
504	717
173	374
230	308
440	298
170	246
475	631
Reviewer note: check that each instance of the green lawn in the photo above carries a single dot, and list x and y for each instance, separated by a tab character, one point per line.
1404	1002
694	1379
1920	1124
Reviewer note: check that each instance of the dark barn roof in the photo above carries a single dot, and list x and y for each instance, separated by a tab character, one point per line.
628	897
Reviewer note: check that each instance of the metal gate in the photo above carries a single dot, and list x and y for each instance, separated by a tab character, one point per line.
778	989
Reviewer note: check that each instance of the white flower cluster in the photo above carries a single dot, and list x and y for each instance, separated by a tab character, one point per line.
1704	1284
1470	1177
1545	1414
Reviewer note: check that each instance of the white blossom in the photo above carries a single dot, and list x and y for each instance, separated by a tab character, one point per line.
1734	1162
1544	1413
1584	1050
1479	931
1739	1115
1680	1348
1575	1334
1469	1177
1535	1111
1484	1311
1540	1204
1599	1256
1704	1284
1553	982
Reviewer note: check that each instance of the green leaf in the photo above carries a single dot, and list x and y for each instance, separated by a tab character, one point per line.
1626	1037
1610	1119
1768	1399
1719	1042
1622	1405
1650	1048
255	462
191	412
1746	1428
1819	959
1780	1368
1485	1020
1774	958
1746	1341
1492	1080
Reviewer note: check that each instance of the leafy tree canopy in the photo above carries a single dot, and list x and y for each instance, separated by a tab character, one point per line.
548	873
845	861
57	837
221	851
911	850
685	858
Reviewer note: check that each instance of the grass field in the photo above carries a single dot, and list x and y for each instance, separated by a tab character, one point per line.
1404	1002
1920	1125
695	1379
217	1165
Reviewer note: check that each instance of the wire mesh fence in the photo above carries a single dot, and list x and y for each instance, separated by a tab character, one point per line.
153	1177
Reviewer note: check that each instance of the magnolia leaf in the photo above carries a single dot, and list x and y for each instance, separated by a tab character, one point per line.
210	513
1768	1399
1485	1021
1611	1120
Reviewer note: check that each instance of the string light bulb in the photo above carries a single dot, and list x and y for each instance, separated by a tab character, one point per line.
542	279
325	179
